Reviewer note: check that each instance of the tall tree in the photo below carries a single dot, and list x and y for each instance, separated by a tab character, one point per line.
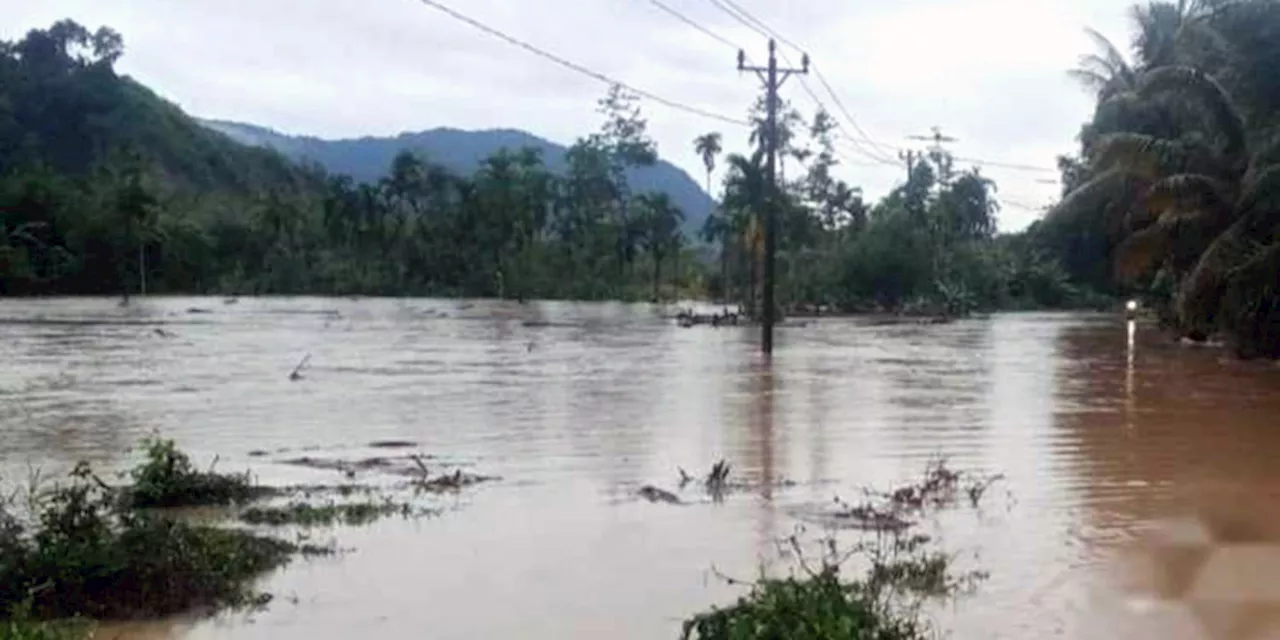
661	231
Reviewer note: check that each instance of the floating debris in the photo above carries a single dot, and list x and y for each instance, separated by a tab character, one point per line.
717	478
451	481
344	466
297	371
392	444
445	482
898	509
654	494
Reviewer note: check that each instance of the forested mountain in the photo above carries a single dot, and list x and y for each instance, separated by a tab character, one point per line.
106	188
1176	191
367	159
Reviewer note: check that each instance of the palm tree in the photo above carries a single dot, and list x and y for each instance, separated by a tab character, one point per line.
713	229
1174	33
1107	72
745	192
716	229
660	230
1200	208
708	147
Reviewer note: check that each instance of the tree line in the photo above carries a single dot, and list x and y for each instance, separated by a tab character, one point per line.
106	189
930	246
1174	193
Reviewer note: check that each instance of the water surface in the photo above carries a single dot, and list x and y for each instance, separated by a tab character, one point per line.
1104	430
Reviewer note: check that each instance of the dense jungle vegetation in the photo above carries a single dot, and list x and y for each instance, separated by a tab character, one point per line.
106	189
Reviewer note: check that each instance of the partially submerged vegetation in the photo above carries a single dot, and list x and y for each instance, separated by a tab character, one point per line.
1173	195
349	513
79	552
168	478
413	466
86	550
716	484
819	601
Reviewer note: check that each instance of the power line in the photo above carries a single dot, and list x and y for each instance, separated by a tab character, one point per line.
835	98
762	27
693	23
579	68
736	10
1020	205
740	18
1007	165
876	161
743	16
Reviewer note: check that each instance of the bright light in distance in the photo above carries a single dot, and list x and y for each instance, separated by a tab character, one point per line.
1132	305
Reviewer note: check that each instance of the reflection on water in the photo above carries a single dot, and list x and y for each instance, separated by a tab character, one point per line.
1104	430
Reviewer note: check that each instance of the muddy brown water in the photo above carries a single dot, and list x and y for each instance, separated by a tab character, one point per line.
1107	433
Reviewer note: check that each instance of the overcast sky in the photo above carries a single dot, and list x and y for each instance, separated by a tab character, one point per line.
988	72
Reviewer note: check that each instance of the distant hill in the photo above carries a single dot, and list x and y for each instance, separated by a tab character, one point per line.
368	158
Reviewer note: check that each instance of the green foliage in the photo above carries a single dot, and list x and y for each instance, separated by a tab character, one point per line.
818	601
85	555
105	188
1175	201
21	626
308	515
168	479
816	607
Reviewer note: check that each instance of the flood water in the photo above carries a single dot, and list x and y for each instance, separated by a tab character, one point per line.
1105	431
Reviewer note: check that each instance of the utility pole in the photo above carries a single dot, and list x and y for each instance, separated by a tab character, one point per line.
936	151
908	156
772	77
936	138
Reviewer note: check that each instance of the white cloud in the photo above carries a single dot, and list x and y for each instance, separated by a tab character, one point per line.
990	72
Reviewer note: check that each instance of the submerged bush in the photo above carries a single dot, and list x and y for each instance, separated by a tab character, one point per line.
349	513
83	554
169	479
816	607
20	626
902	572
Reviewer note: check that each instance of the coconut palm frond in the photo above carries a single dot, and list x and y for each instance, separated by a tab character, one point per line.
1201	35
1259	202
1185	197
23	233
1092	204
1188	83
1136	154
1111	56
1092	80
1250	304
1141	253
1096	65
1200	294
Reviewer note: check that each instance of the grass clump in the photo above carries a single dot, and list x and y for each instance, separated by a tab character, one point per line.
167	478
80	553
819	601
817	607
307	515
20	626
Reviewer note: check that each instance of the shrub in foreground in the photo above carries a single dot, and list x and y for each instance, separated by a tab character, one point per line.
169	479
81	554
902	572
817	607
